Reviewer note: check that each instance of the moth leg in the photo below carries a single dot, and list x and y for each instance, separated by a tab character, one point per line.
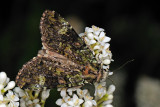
99	76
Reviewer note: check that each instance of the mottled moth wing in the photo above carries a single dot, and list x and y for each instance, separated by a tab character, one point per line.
59	36
64	61
48	71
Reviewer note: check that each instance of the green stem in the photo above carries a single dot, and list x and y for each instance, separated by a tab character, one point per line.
104	98
42	103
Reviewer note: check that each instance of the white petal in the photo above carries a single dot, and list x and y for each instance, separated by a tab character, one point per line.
35	100
96	32
106	39
111	89
67	98
16	98
104	53
59	89
90	35
3	105
96	47
59	102
45	94
63	92
3	77
106	46
79	92
1	86
37	105
75	97
80	101
87	40
9	94
96	37
85	91
94	102
102	35
89	30
100	29
22	103
16	104
105	67
107	61
29	102
86	29
110	97
110	73
108	105
71	103
64	105
92	42
10	85
88	104
81	34
1	97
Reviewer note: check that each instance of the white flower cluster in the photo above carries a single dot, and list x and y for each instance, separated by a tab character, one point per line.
75	97
19	97
27	99
7	97
97	41
103	96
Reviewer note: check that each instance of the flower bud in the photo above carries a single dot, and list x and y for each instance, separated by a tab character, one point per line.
10	85
3	77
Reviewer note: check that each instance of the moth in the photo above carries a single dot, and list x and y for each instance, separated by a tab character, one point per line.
63	61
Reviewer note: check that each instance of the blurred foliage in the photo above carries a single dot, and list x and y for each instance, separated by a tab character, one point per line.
134	27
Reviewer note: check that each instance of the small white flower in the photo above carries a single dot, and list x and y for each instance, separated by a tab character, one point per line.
13	99
75	101
11	96
3	77
45	94
10	85
20	91
97	41
81	93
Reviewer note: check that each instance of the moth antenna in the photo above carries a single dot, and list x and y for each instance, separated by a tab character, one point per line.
111	80
123	65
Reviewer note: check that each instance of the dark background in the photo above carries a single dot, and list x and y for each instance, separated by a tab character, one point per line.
134	27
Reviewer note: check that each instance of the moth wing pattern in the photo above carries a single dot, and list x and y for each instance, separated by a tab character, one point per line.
42	72
64	61
59	36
